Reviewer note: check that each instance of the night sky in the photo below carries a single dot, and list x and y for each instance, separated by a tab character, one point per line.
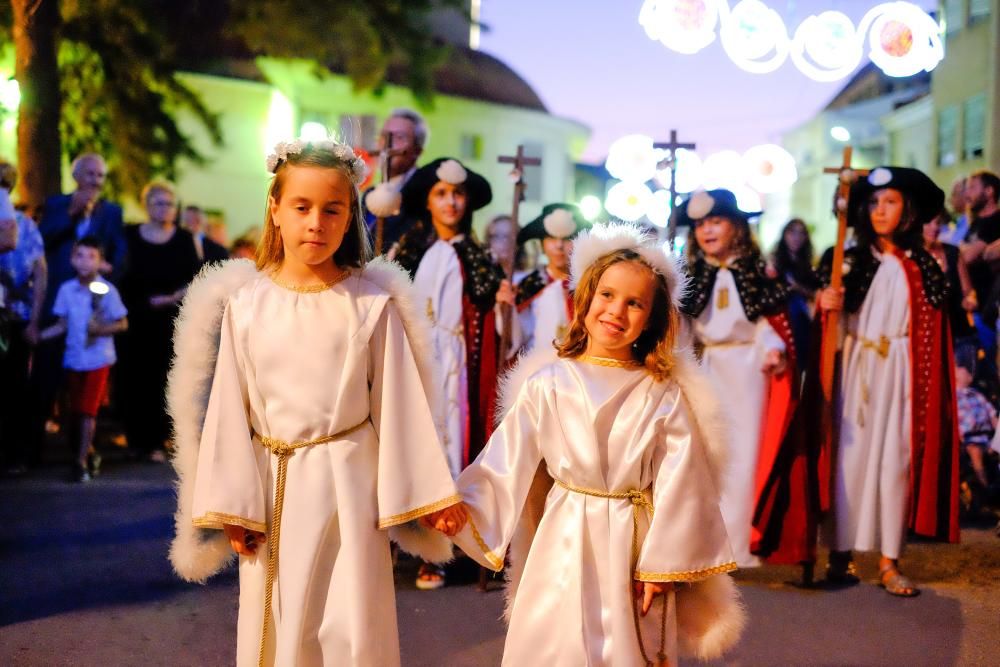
591	61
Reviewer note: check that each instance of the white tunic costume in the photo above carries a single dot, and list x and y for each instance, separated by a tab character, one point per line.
734	351
872	477
335	365
545	317
597	430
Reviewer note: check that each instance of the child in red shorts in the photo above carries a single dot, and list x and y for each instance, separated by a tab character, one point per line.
90	312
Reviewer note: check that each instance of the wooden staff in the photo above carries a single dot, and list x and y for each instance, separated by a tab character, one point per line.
847	176
673	145
520	161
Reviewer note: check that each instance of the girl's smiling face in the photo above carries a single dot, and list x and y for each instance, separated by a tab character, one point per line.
715	236
313	213
619	311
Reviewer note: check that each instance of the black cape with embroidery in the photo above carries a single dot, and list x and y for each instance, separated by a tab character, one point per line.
759	294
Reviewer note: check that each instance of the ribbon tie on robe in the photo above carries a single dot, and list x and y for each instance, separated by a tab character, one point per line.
639	502
283	450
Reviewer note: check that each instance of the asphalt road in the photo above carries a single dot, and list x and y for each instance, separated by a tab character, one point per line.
84	581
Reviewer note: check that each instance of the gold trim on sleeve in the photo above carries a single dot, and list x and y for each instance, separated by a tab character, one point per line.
685	576
397	519
495	561
217	519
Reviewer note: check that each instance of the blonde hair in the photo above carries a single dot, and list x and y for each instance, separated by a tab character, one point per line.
355	249
654	348
157	186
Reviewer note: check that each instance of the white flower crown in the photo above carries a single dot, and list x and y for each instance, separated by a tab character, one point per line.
283	149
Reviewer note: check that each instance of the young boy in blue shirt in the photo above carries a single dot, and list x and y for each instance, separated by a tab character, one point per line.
90	312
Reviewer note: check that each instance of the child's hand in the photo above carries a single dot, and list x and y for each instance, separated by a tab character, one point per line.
831	299
774	362
647	590
450	521
506	293
243	541
94	327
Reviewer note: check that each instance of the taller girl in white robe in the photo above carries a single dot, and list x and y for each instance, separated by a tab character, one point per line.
335	370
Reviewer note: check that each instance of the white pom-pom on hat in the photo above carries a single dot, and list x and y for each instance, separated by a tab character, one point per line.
700	205
383	201
452	172
592	244
880	176
559	223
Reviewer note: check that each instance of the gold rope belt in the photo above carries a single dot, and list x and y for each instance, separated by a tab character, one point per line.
283	450
639	502
881	348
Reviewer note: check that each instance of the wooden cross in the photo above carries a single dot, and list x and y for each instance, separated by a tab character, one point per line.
671	161
848	175
520	161
385	155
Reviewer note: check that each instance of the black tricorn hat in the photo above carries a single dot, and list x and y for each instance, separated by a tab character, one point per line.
449	170
551	223
704	204
926	197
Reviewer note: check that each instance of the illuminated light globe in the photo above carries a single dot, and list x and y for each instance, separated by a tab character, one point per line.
689	172
313	131
628	200
686	26
826	47
769	168
632	158
723	170
902	39
590	207
10	94
747	200
658	208
755	37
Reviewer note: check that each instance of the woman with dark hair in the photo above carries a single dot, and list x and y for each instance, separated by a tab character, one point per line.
458	287
962	299
896	458
739	320
792	261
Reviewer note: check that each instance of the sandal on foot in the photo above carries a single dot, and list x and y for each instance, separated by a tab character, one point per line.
430	578
841	570
895	583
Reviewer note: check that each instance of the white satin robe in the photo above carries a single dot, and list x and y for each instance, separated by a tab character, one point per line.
296	367
872	477
613	430
734	351
546	318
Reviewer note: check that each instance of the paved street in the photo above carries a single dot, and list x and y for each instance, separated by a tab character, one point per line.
84	581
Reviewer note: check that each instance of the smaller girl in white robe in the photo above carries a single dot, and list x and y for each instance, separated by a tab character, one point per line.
318	434
603	479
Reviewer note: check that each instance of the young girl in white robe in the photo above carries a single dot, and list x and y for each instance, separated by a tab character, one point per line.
318	433
603	479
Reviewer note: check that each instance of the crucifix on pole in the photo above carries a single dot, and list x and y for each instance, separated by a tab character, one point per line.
671	163
847	176
385	155
519	162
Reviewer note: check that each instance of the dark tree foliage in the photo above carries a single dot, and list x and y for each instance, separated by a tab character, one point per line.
118	61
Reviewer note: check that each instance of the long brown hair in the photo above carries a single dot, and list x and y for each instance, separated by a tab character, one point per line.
654	348
355	249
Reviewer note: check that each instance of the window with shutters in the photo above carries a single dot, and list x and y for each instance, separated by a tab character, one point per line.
954	16
973	127
947	135
471	147
978	10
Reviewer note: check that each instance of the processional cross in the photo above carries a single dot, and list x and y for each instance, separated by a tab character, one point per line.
671	163
385	155
847	176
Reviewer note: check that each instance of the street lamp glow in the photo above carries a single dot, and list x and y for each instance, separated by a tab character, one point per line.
10	94
590	207
628	200
632	158
840	133
313	131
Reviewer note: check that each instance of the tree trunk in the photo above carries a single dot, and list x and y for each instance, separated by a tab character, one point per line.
39	147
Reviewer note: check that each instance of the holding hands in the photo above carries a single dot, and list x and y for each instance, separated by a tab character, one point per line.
450	521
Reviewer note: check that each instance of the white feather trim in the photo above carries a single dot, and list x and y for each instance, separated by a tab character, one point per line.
710	613
592	244
384	200
198	553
